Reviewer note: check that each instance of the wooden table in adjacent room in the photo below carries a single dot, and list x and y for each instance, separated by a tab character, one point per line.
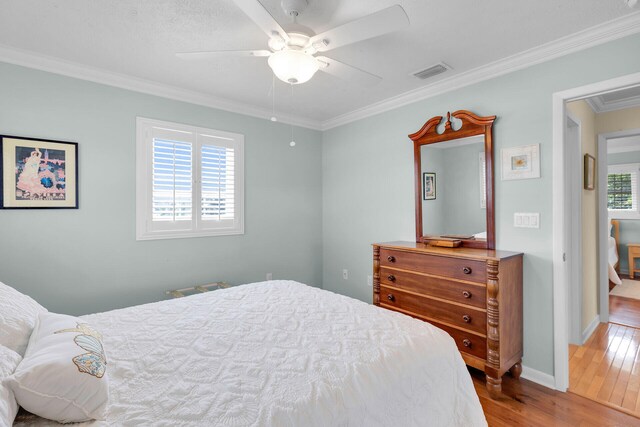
634	252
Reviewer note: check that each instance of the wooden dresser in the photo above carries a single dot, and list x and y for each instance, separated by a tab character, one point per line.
473	294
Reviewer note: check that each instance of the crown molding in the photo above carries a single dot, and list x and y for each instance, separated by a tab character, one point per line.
599	106
593	36
72	69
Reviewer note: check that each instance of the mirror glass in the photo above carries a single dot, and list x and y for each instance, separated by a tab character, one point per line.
454	188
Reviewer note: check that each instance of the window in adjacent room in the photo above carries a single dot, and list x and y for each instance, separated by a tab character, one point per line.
622	191
190	181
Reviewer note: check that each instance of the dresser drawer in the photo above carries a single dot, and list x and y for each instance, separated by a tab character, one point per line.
466	342
463	293
455	315
456	268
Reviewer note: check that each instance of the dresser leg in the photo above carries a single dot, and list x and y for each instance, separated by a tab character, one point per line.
494	386
516	370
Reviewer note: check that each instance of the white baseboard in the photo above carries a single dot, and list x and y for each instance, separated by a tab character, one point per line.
589	329
539	377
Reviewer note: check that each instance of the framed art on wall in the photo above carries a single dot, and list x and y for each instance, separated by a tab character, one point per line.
429	186
589	172
38	173
521	162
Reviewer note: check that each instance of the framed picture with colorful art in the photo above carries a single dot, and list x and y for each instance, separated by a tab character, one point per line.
38	173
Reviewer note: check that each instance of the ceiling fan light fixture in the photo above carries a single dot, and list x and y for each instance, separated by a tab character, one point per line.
293	66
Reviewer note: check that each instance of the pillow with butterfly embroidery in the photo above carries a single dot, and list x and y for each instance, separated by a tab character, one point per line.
63	375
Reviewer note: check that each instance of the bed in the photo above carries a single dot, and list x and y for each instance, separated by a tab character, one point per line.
279	353
613	259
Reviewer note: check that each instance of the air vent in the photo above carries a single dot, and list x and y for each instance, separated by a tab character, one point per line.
434	70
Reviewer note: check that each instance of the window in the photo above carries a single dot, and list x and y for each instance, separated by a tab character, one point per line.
189	181
622	191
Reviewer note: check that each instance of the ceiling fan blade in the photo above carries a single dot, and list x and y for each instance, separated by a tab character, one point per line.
346	72
382	22
219	53
260	15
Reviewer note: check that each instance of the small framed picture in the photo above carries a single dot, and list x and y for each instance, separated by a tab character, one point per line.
521	162
38	173
429	186
589	172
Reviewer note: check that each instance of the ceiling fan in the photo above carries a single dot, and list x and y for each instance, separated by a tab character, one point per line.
292	54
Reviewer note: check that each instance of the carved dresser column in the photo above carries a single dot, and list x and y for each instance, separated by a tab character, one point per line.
376	275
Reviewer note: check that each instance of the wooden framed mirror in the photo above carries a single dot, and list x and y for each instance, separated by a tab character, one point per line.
452	199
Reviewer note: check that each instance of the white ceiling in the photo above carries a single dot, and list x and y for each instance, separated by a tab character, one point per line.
624	144
139	39
617	100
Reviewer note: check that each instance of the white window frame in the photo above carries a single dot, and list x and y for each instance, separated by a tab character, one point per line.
146	129
626	213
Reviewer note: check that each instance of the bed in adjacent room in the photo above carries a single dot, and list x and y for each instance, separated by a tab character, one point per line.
278	353
613	256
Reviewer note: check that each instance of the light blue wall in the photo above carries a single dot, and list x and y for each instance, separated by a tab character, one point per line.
87	260
629	228
456	209
433	218
629	233
368	178
462	174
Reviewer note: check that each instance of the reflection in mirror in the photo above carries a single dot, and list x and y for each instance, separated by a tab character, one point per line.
454	188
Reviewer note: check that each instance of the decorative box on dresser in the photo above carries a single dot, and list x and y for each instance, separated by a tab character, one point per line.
473	294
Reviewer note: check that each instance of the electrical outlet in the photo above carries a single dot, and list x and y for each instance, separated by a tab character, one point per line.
345	274
269	276
370	281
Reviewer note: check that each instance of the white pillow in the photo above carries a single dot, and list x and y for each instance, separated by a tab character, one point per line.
9	359
18	314
63	374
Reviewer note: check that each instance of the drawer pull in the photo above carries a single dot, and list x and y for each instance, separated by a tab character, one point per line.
466	318
391	278
466	343
466	294
391	298
467	270
391	258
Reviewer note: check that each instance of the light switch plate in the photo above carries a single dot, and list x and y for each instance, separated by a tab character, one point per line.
526	220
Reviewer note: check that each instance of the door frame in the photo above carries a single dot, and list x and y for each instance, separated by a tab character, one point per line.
561	215
574	256
603	216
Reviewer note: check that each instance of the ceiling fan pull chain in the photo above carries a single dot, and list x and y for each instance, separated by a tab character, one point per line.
293	142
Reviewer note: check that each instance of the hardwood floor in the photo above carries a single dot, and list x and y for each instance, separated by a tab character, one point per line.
528	404
625	311
606	368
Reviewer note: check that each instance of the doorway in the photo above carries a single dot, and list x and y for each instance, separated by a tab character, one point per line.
619	227
562	216
603	356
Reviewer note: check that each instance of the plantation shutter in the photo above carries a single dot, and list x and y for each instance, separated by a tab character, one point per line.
622	190
189	181
218	171
172	181
218	167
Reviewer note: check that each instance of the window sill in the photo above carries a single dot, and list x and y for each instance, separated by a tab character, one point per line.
189	234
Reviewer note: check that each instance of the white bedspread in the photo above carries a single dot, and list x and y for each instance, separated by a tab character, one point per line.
612	261
280	353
